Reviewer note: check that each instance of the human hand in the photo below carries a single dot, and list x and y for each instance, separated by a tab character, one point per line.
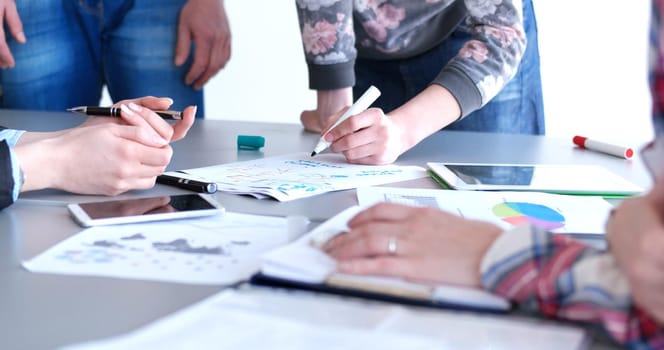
431	246
636	238
12	21
105	159
205	23
329	103
370	137
136	115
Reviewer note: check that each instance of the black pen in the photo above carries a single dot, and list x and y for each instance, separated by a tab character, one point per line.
187	184
115	112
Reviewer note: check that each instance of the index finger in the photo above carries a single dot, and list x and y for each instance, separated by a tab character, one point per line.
181	128
216	61
14	23
6	58
201	61
151	102
333	120
353	124
183	44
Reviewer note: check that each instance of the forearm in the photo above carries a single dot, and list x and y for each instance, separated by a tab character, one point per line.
429	111
30	136
563	278
491	58
329	43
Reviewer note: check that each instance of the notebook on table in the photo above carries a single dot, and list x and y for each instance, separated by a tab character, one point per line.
302	265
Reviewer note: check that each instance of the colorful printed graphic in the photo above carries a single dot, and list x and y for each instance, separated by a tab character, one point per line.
517	213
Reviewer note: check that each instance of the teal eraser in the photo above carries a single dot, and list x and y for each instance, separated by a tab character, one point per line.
250	142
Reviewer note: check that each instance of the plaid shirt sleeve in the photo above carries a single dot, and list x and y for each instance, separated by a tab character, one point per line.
563	278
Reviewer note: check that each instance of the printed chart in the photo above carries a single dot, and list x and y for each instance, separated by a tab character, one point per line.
215	250
517	213
552	212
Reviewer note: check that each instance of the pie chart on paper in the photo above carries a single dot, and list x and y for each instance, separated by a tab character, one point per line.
517	213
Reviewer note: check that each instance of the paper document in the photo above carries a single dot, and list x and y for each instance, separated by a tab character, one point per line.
217	250
299	175
270	319
302	261
554	212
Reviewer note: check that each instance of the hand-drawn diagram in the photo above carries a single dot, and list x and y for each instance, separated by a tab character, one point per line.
296	176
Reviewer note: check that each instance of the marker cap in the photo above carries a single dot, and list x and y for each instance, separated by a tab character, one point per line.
250	142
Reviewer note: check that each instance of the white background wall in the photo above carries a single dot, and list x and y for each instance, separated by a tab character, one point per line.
593	67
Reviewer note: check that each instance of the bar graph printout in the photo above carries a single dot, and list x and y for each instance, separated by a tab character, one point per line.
299	175
216	250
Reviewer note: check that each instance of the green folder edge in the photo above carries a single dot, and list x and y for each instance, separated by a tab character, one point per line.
446	186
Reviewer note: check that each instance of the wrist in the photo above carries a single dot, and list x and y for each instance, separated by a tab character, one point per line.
34	158
329	102
428	112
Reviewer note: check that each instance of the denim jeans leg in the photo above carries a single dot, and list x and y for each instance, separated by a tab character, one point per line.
139	53
55	69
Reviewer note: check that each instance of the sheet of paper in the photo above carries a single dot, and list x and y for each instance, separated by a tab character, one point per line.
300	175
261	319
216	250
554	212
303	261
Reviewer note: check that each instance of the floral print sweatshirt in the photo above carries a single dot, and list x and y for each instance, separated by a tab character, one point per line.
336	32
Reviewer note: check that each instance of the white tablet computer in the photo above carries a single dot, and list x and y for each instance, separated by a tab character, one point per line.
567	179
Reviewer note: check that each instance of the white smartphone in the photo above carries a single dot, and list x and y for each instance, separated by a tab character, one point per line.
124	211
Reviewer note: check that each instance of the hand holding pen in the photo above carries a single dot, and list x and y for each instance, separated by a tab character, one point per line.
132	112
359	106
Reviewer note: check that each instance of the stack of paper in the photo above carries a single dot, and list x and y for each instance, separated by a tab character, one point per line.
269	319
296	176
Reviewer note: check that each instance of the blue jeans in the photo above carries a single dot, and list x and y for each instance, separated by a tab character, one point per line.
75	47
517	109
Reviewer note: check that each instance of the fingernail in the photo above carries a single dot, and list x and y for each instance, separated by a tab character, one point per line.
329	137
125	109
135	107
21	37
195	110
159	140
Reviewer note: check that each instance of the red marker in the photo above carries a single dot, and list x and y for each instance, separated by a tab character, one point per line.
614	150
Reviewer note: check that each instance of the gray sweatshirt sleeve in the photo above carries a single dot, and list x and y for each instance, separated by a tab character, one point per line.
329	42
491	58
